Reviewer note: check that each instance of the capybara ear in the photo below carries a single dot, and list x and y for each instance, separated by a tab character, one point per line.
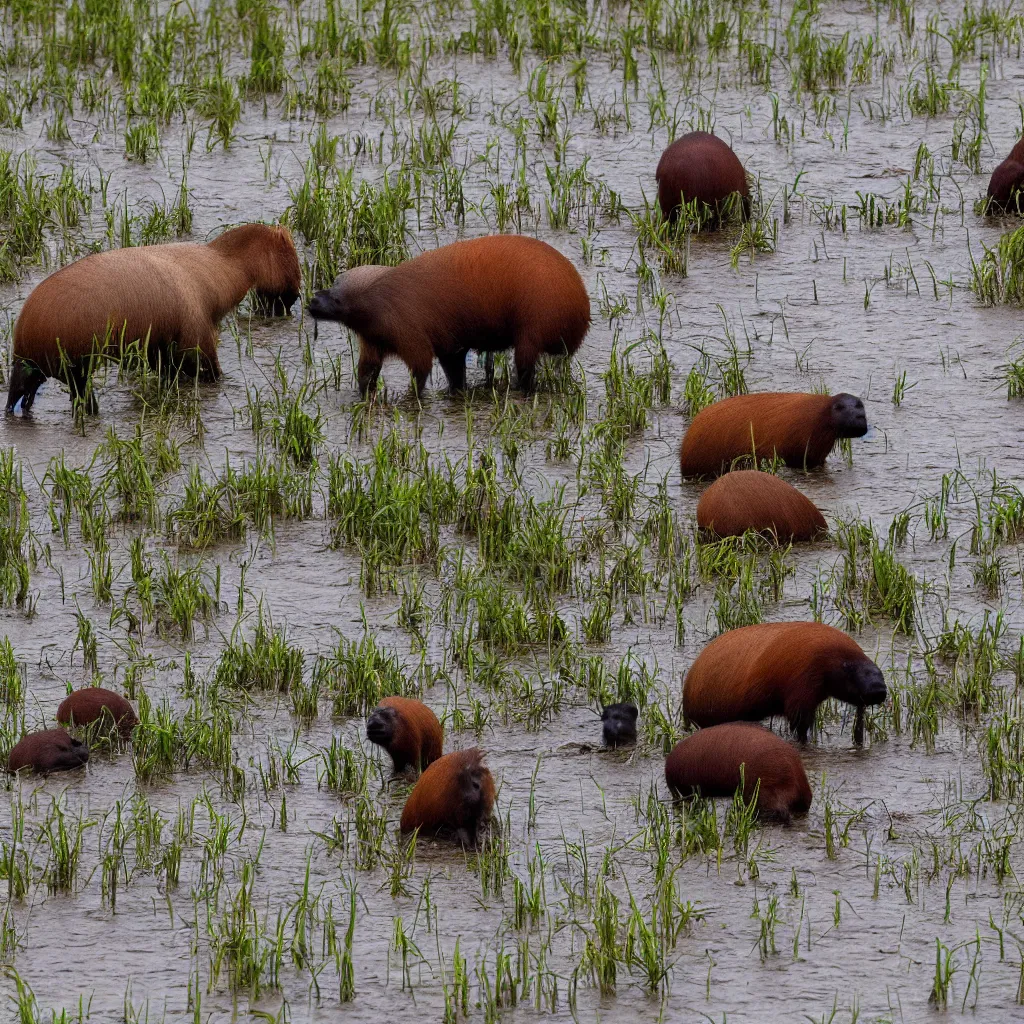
848	416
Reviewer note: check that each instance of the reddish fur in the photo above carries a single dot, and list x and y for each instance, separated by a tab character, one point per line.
436	800
89	704
708	764
796	427
751	500
700	166
51	750
419	739
1006	186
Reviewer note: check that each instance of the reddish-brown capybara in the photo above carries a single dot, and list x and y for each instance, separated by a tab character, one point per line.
456	792
487	294
1006	186
408	730
750	500
800	429
702	167
712	762
170	298
779	668
94	703
51	750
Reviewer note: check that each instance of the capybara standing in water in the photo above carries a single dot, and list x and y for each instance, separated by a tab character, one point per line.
619	729
93	703
456	792
51	750
779	668
408	730
712	762
750	500
800	429
1006	186
487	294
702	167
169	298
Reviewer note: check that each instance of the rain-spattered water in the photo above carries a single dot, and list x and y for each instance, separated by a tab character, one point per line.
904	870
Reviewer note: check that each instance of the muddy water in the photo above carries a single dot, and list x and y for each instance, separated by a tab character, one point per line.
820	310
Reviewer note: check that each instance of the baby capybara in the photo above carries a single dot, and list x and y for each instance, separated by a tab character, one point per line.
456	792
1006	186
408	730
779	668
51	750
487	294
619	728
170	298
94	703
712	761
800	429
700	166
750	500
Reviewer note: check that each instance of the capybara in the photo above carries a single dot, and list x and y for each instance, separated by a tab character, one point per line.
1006	186
750	500
712	761
779	668
619	729
487	294
456	792
800	429
168	297
94	703
700	166
51	750
408	730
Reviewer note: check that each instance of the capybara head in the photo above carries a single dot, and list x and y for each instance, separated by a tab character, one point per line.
338	301
382	725
475	792
279	277
848	416
52	750
619	727
856	681
1006	187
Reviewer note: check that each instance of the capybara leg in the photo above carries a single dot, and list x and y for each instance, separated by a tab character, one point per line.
454	367
79	377
489	368
25	381
209	363
420	370
368	371
526	364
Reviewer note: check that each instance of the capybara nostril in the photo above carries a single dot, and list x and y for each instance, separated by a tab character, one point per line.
50	750
619	728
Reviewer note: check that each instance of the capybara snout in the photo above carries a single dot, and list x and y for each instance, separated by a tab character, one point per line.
848	416
380	726
619	728
858	682
51	750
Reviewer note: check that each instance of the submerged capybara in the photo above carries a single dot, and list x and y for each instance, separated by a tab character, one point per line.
93	703
487	294
456	792
619	728
51	750
702	167
1006	186
169	298
408	730
801	429
712	762
779	668
750	500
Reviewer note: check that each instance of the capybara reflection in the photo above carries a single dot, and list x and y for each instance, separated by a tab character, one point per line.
94	703
487	294
702	167
51	750
713	762
169	298
750	500
456	792
619	728
779	668
800	429
1006	186
408	730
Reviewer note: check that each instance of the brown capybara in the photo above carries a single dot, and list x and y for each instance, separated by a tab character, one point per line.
94	703
456	792
779	668
750	500
712	761
700	166
408	730
170	298
1006	186
51	750
487	294
800	429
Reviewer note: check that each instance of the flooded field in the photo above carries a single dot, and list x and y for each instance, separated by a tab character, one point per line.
256	563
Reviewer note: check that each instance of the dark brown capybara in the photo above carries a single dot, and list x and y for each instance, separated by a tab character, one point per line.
712	763
170	298
486	294
800	429
408	730
750	500
1006	186
779	668
619	728
51	750
93	703
456	792
700	166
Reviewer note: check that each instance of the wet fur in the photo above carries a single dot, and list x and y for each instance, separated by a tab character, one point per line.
703	167
1006	186
750	500
440	800
89	705
416	737
51	750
